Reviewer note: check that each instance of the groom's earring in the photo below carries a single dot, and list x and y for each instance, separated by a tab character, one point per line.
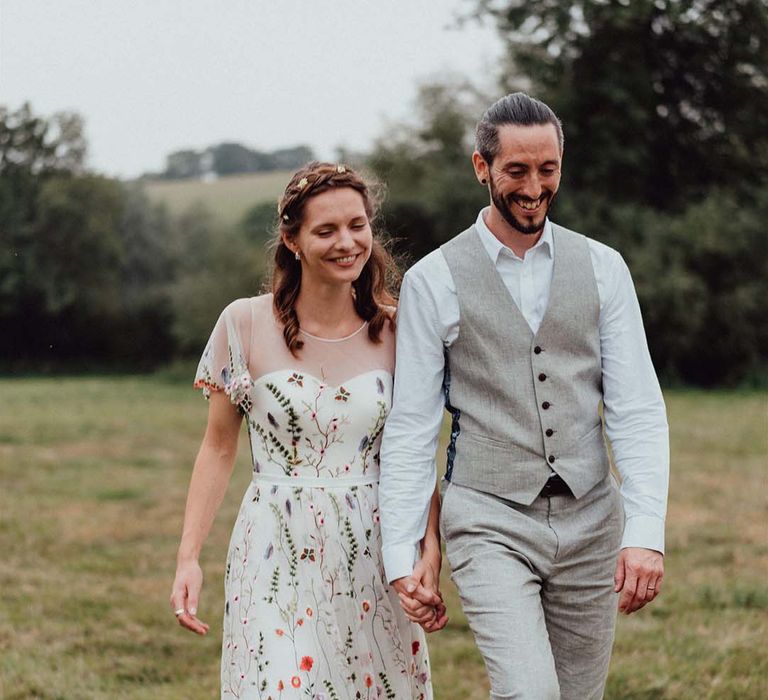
483	181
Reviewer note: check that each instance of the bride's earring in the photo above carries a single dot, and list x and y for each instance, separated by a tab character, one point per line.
297	255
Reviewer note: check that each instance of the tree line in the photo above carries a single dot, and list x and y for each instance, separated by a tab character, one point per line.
230	158
666	159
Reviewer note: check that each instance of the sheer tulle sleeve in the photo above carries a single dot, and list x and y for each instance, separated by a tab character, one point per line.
224	364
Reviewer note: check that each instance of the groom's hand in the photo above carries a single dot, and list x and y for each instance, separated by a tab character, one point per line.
420	598
639	573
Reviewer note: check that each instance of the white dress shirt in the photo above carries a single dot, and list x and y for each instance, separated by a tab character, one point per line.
428	322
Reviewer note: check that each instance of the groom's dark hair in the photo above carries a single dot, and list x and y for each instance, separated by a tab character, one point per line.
518	109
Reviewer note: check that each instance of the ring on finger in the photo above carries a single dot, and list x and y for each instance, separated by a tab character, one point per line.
179	611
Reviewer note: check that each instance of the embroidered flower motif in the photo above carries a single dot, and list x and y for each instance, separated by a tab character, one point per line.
296	682
342	394
237	387
366	605
306	663
368	680
415	647
280	685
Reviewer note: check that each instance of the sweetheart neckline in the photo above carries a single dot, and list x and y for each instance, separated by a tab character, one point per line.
263	377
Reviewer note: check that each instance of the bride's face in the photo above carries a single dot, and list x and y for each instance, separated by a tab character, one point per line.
335	237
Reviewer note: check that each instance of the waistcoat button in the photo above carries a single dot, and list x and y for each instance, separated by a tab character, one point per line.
551	458
549	432
546	405
542	377
537	349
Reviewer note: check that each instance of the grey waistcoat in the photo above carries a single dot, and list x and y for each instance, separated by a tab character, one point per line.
524	403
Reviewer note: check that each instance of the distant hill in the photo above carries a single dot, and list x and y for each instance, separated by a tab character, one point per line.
227	198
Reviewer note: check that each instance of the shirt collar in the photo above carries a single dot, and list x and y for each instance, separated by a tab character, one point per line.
494	246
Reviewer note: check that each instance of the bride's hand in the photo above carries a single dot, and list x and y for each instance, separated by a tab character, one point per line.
431	561
186	594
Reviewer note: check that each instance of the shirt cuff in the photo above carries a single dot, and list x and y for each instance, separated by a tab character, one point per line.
398	560
644	531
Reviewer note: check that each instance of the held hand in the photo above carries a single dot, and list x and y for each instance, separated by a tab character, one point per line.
639	573
185	596
419	597
430	563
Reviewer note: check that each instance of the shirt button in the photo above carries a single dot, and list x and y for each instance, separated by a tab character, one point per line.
551	459
549	432
537	349
542	377
546	405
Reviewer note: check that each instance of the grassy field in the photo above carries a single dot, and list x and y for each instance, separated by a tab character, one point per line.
227	198
93	475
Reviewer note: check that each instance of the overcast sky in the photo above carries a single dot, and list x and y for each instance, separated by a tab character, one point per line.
153	76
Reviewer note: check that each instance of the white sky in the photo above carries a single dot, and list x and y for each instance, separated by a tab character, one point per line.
154	76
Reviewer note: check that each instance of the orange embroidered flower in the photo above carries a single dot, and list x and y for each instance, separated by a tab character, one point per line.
306	663
368	680
280	685
300	621
415	648
366	605
279	632
309	612
296	682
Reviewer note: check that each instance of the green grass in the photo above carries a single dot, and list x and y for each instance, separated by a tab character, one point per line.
93	474
227	198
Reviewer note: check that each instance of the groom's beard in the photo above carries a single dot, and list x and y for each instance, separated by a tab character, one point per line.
504	209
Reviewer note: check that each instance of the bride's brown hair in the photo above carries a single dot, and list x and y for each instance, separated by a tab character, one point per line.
374	294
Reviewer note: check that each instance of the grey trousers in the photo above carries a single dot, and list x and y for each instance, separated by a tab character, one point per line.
536	585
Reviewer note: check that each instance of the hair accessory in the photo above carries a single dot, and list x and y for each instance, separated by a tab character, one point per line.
341	169
297	255
302	183
285	217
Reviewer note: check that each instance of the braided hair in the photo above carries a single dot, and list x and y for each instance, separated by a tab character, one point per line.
373	290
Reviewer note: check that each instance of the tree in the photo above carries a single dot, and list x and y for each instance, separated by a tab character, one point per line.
183	164
660	99
427	170
32	151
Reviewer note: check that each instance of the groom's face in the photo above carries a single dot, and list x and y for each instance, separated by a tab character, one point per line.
525	175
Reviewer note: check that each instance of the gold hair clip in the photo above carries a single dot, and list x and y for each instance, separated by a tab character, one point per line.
341	169
302	183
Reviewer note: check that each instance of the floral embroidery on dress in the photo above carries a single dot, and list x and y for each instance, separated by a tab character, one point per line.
308	612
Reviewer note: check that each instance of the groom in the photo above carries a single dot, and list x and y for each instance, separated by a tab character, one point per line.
520	328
